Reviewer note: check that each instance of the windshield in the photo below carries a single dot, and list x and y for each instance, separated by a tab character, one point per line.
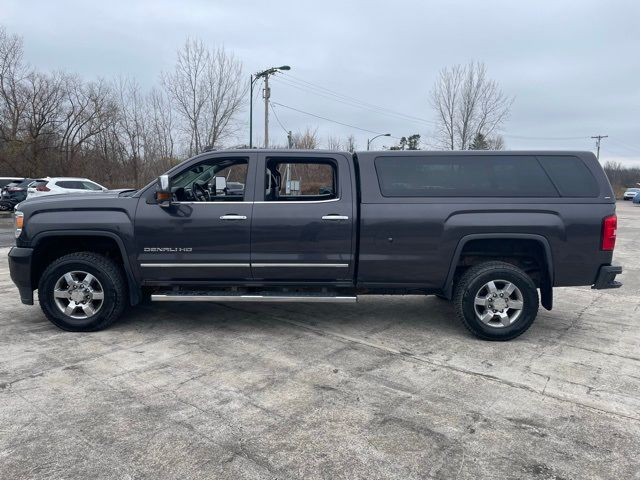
633	189
200	173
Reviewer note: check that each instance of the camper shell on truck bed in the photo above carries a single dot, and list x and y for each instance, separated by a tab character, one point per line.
488	230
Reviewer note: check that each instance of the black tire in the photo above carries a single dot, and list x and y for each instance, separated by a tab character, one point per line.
472	282
107	273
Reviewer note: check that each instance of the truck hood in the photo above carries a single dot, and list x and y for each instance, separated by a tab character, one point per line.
72	200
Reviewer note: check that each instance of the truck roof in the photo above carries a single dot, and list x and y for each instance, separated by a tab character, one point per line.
408	152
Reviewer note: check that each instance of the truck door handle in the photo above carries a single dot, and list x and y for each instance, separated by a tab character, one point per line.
335	217
233	217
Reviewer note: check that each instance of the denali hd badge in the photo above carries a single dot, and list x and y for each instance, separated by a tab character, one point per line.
167	249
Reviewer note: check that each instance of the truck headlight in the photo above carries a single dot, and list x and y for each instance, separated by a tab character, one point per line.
19	222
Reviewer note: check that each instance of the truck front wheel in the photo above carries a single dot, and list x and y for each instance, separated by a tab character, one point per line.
82	292
496	301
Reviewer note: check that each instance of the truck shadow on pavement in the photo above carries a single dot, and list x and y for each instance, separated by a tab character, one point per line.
372	316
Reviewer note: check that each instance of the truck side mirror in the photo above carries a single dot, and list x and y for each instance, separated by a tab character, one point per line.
163	193
220	184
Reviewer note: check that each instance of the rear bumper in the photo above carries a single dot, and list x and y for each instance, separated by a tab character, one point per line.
606	277
20	270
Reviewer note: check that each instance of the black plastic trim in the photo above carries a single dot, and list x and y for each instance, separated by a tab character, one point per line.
20	271
606	277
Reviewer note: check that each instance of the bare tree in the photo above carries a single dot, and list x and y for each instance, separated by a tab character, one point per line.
496	142
467	103
334	143
41	116
621	177
228	92
207	92
307	140
56	123
88	110
132	125
160	142
351	143
13	99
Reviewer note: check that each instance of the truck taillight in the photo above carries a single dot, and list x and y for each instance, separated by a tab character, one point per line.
43	188
609	226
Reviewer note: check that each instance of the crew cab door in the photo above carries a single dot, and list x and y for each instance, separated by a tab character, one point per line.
303	219
204	235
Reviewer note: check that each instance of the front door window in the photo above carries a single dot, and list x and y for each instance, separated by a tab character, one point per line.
198	183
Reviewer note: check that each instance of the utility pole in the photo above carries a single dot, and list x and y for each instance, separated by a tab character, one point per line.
290	139
599	138
267	94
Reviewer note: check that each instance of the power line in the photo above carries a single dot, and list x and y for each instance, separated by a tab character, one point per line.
524	137
629	146
277	118
315	89
356	105
328	119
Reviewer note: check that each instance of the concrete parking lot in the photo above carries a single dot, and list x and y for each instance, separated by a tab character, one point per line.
387	388
6	230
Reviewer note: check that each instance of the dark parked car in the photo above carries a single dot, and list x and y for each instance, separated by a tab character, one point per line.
4	181
14	193
492	231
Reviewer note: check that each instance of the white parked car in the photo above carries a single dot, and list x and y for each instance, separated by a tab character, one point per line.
52	186
630	193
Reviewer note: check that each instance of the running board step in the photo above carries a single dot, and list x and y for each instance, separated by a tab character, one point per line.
249	297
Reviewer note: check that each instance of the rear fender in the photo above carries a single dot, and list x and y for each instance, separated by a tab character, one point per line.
546	290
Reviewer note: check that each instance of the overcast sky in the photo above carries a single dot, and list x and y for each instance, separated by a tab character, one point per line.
572	66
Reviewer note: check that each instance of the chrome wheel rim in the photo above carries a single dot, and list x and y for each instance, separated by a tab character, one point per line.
78	295
498	303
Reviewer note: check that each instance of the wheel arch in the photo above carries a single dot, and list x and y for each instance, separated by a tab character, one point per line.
77	237
545	287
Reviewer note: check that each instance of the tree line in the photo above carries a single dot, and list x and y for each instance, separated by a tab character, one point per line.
58	124
622	177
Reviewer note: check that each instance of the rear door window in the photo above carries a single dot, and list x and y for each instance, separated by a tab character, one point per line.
570	175
90	185
71	184
300	180
463	175
38	183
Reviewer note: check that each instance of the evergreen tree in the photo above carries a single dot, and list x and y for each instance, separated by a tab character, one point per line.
413	142
479	142
408	143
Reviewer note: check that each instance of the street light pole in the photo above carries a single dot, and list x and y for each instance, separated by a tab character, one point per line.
372	139
267	93
251	112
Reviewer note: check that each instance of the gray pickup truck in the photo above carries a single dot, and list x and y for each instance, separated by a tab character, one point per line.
487	230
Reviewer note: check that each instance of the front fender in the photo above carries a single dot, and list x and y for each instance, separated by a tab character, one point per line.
134	289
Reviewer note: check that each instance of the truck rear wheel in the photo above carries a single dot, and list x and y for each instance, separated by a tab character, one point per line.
82	292
496	301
